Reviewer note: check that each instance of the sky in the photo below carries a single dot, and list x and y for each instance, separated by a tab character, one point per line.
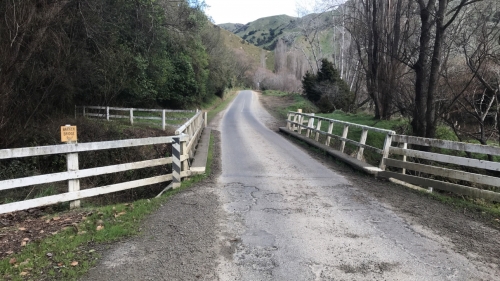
245	11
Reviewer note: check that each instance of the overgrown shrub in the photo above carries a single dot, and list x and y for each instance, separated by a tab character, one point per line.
327	90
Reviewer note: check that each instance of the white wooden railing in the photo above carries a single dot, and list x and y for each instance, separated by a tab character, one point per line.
439	171
104	112
192	129
183	145
447	171
311	124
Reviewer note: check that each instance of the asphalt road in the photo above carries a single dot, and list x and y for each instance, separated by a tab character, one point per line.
293	218
273	212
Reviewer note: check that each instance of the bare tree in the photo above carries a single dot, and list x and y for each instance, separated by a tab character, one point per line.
436	16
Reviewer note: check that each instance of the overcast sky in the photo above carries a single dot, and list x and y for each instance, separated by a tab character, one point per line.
245	11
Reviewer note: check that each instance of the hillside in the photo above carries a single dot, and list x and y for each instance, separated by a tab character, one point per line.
231	27
253	53
265	32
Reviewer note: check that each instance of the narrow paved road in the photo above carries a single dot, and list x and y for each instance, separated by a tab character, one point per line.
276	213
294	219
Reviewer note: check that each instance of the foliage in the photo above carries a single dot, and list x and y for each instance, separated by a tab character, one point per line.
327	89
58	54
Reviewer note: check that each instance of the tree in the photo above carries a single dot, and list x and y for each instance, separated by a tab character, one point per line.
436	16
327	89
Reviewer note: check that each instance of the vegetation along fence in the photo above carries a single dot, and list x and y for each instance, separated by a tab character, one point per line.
455	167
162	115
183	145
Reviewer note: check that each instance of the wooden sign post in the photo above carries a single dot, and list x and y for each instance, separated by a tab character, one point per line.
69	136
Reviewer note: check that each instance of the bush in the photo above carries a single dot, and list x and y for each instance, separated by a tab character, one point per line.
327	90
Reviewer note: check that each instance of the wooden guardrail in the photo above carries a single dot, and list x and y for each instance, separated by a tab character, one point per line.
434	170
296	121
183	145
104	112
193	129
439	170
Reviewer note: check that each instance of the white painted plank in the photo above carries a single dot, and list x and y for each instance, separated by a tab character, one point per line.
71	196
135	117
352	124
453	145
449	173
468	162
182	128
138	109
41	179
80	147
446	186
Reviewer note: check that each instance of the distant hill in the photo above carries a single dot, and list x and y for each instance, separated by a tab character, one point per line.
253	52
265	32
231	27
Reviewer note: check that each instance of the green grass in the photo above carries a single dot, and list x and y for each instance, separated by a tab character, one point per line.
297	101
77	244
220	104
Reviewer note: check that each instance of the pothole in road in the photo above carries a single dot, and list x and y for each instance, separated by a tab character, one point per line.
370	267
284	212
260	238
257	258
274	197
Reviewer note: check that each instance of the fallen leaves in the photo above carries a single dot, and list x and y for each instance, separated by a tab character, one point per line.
74	263
120	214
100	227
12	261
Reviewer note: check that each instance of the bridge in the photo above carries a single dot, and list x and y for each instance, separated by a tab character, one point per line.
277	211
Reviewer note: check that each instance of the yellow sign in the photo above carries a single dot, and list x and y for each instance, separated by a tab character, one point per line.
68	133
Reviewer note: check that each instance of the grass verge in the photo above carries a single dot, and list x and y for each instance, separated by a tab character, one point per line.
219	104
70	253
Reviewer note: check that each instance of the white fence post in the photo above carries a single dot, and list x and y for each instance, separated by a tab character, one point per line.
289	118
184	152
310	124
206	119
83	111
385	152
107	113
330	130
318	128
301	122
344	136
176	162
163	120
404	146
73	185
131	116
362	141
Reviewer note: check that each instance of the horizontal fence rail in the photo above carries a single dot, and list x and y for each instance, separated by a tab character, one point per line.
193	129
446	170
440	170
104	112
312	125
183	147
